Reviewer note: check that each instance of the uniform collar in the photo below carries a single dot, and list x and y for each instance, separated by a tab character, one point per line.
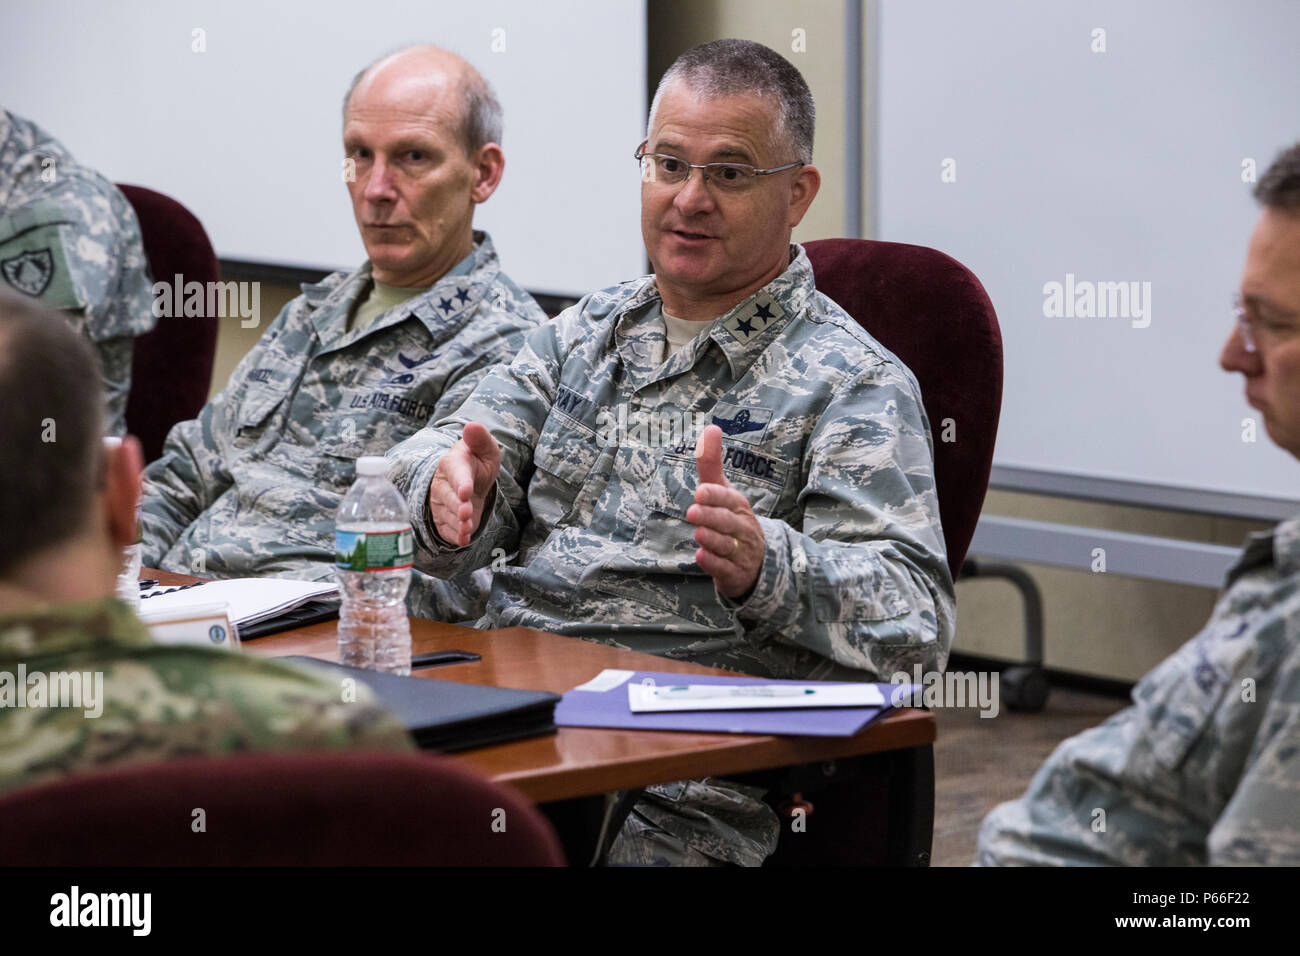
443	308
1279	548
63	628
742	333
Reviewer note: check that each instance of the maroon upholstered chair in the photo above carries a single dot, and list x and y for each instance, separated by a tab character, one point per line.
930	311
171	367
343	808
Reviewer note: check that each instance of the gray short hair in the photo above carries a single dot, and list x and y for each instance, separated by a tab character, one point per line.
481	118
1279	187
734	67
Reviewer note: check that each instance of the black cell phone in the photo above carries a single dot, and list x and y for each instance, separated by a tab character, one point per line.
438	658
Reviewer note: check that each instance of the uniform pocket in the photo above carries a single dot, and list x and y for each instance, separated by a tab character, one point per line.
840	594
673	490
565	454
1177	701
255	410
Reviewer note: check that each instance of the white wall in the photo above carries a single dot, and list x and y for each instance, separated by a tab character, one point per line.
1123	165
247	134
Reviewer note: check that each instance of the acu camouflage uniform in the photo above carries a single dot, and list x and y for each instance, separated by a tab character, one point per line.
251	486
74	243
162	701
824	433
1205	766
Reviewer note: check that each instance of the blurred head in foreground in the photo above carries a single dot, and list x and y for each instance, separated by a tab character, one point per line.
67	497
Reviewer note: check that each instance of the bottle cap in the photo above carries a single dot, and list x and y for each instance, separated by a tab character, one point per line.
372	465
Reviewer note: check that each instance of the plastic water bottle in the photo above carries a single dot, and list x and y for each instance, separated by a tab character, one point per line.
374	552
128	580
128	577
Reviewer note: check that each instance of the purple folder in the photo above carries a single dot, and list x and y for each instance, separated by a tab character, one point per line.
584	708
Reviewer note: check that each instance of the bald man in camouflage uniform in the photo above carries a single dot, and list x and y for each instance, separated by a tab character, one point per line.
361	360
82	683
70	238
1205	766
796	536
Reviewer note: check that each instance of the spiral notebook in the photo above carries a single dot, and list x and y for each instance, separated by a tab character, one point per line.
256	606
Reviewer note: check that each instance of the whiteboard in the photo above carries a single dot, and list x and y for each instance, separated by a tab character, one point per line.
1116	166
247	133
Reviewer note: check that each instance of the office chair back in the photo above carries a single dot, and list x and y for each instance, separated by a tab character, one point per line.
171	366
933	313
343	808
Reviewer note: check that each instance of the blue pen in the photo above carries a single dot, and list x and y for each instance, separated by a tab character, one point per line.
720	692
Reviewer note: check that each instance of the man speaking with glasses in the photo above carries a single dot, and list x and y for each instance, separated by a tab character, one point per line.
796	536
1205	766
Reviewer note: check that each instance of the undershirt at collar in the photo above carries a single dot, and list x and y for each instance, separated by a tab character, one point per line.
379	300
383	296
681	332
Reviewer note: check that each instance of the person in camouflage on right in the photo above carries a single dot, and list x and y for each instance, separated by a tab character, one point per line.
83	685
1204	768
714	463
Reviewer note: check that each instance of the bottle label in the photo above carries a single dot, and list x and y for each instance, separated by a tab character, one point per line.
374	550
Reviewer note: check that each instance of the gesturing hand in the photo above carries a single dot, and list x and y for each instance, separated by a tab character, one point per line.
461	483
730	538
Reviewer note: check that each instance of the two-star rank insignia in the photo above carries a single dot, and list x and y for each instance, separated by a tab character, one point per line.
754	319
452	302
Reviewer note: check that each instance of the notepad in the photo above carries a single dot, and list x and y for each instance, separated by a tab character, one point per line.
248	601
603	702
649	697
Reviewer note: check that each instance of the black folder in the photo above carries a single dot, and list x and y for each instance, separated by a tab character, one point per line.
446	715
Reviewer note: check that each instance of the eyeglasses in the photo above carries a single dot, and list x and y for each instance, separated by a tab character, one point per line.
1258	333
731	177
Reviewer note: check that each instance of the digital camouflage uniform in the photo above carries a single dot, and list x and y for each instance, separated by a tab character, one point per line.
251	486
1205	766
70	238
824	433
160	701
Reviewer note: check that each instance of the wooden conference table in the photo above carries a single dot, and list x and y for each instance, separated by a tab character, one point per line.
583	762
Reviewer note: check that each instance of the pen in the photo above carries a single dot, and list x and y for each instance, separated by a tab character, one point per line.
716	692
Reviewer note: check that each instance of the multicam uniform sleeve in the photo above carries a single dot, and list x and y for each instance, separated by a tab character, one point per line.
274	705
191	473
512	401
864	580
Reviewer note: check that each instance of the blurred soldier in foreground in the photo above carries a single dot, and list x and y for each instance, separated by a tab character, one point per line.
1205	766
82	684
797	535
359	361
70	238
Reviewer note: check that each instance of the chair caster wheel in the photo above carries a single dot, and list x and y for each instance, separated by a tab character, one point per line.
1024	688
